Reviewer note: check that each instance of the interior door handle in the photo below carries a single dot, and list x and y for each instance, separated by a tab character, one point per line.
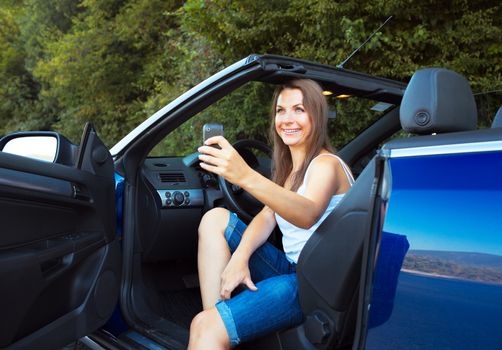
55	257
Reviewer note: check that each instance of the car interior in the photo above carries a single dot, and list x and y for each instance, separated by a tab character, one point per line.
172	193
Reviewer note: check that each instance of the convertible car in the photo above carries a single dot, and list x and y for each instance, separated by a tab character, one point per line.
98	246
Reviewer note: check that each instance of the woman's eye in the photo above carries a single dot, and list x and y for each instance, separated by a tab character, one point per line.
300	110
278	110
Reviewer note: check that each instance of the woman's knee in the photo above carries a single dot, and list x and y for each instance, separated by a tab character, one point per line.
199	323
208	325
214	221
199	328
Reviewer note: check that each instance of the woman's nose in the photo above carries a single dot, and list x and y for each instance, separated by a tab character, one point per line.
288	116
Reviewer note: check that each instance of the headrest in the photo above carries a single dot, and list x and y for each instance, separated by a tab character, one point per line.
438	100
497	121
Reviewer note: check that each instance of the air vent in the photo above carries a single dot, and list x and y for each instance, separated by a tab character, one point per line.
172	177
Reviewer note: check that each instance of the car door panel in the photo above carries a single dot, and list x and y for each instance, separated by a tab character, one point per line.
442	290
59	260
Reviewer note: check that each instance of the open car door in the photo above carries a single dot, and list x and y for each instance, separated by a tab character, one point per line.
59	259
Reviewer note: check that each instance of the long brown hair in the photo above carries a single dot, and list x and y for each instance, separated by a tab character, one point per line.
317	108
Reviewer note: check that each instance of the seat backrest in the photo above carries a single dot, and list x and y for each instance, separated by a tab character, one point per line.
497	121
329	266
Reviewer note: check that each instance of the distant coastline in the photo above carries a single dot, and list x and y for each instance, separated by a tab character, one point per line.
467	266
428	274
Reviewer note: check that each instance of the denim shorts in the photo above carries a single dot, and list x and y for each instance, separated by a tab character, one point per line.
274	306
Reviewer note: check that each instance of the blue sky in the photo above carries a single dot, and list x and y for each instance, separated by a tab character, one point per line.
466	216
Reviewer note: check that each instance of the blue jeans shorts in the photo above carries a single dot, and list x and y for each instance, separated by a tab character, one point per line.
274	306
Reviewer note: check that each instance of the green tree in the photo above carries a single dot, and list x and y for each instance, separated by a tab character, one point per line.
115	62
24	28
107	66
17	87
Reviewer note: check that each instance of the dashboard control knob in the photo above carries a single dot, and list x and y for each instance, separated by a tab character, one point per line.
178	198
187	194
168	194
208	180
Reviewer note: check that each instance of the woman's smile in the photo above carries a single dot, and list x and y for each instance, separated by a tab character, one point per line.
290	131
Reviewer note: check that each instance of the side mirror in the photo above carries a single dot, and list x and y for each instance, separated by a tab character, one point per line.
41	145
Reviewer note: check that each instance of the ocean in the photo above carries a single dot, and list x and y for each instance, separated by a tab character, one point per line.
441	313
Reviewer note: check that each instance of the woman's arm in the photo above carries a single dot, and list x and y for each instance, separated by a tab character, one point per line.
237	269
326	177
257	232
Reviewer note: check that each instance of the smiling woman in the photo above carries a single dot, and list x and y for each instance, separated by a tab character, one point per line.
231	253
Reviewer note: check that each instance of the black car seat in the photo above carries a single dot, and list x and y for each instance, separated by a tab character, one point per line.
329	267
497	121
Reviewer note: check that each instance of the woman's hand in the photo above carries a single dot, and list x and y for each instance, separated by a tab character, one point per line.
236	272
225	161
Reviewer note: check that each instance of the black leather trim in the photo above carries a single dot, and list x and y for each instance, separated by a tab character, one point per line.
32	182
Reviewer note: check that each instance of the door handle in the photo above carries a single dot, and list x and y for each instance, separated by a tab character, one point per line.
55	257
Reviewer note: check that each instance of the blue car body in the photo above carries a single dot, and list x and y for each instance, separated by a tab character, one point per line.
442	244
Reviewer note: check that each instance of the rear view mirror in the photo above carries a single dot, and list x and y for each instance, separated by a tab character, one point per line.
38	147
41	145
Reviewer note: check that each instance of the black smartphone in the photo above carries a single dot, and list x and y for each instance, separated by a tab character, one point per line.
210	130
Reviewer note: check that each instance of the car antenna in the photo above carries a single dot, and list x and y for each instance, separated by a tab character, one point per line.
353	53
487	92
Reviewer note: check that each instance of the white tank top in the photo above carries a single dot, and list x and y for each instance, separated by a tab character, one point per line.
294	237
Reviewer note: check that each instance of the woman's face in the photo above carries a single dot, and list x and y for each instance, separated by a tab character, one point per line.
292	122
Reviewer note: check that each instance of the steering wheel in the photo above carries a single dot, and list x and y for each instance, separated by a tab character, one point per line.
238	200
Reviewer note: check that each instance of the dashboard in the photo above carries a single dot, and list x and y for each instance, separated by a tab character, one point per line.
177	184
173	193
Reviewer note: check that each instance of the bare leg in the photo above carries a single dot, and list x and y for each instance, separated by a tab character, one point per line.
213	254
208	331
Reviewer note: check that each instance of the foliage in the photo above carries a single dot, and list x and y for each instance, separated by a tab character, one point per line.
463	35
115	62
108	65
16	84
